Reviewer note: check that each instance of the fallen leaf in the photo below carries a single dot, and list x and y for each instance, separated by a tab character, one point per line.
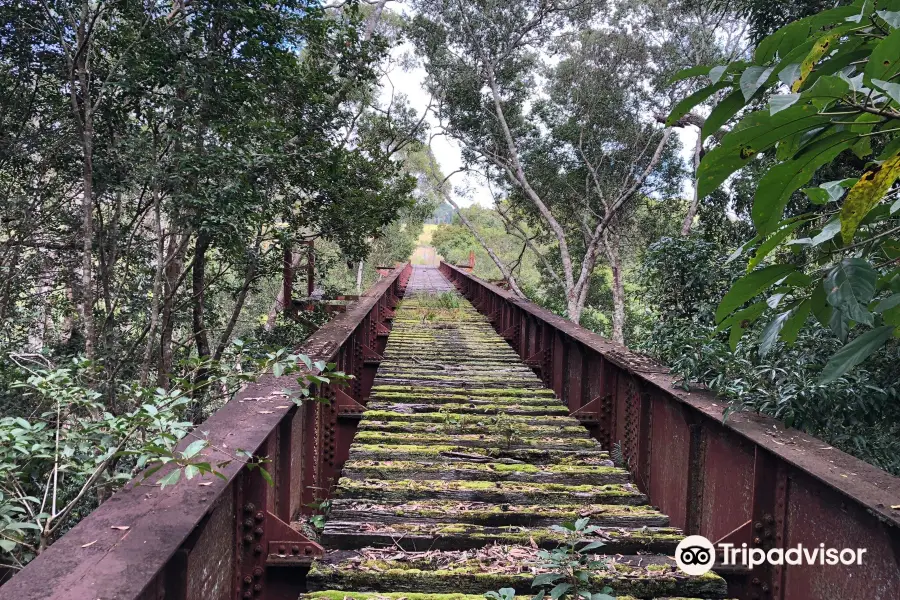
95	541
121	527
895	506
206	483
265	412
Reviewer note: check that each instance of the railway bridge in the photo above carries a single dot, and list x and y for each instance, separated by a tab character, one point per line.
475	425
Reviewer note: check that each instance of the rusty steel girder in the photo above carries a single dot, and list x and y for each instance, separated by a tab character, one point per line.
747	479
229	538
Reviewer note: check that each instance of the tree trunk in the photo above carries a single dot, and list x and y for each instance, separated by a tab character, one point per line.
359	278
157	287
611	241
279	303
507	274
171	281
695	200
198	328
84	113
198	295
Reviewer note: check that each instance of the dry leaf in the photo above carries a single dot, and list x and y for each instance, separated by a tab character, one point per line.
205	483
265	412
121	527
89	544
895	506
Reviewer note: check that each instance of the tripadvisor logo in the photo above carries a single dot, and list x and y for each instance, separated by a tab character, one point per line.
696	555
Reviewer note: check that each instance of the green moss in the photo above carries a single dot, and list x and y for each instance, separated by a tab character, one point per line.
484	426
488	491
464	391
418	573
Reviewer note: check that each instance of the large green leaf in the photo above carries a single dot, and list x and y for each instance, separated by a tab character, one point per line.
850	286
793	34
854	353
866	194
722	112
819	305
777	185
752	79
685	106
740	322
772	241
890	17
823	46
689	72
891	89
796	321
769	335
749	286
755	133
884	62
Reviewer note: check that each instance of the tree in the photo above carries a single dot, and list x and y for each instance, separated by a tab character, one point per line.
156	158
833	250
482	61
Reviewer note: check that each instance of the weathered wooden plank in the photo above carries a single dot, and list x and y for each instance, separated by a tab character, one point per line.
495	515
420	536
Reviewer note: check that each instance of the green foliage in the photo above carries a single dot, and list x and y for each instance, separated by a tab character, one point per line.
859	412
827	78
72	447
568	568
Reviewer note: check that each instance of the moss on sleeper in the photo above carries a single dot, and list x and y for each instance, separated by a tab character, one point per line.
485	427
440	417
465	391
465	400
559	512
531	455
507	492
401	465
365	436
469	577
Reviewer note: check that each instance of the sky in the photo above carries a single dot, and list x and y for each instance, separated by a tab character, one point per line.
468	188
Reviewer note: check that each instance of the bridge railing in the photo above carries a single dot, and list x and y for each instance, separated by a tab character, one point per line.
229	537
744	480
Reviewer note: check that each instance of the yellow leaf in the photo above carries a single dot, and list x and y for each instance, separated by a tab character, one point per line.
819	50
867	192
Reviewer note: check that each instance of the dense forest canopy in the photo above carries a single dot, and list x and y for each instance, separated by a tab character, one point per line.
709	183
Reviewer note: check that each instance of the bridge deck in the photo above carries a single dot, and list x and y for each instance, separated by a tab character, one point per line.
462	462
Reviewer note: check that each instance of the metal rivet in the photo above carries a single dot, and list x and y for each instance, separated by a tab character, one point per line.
258	531
281	550
258	549
249	507
248	539
295	549
260	516
248	580
258	572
